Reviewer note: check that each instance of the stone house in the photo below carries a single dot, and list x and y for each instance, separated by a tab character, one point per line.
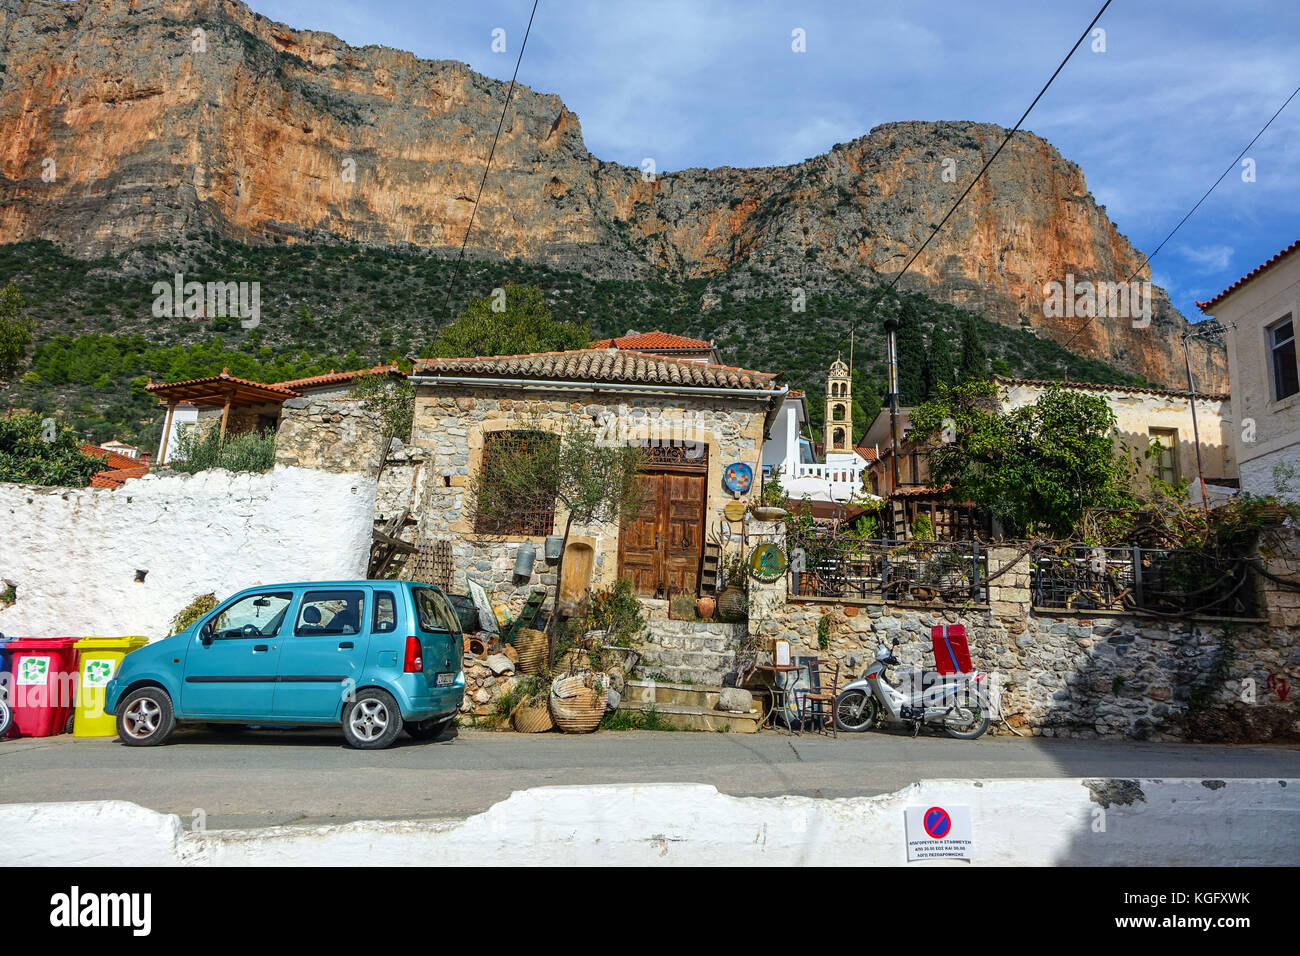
693	420
1261	310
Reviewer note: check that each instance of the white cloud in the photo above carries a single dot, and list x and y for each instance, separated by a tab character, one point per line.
1208	259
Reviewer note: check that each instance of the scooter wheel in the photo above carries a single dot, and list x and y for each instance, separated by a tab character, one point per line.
855	711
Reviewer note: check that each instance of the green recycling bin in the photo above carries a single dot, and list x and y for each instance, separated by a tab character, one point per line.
100	657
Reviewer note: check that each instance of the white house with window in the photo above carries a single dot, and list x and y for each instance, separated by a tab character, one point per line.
1264	370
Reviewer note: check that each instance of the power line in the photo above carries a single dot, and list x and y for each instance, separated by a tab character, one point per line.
1011	132
451	282
1231	166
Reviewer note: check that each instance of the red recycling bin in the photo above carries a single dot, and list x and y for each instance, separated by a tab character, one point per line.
44	684
951	653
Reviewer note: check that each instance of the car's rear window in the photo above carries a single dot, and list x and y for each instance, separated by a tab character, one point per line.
434	612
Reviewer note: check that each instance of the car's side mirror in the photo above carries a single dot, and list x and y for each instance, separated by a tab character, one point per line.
205	634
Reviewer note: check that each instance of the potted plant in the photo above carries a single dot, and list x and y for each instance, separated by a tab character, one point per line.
770	504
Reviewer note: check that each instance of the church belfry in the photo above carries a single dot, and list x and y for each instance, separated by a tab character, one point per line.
838	429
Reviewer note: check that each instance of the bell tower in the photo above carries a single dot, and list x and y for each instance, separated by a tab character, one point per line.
838	429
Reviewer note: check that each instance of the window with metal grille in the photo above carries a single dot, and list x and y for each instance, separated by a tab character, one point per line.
1286	374
533	511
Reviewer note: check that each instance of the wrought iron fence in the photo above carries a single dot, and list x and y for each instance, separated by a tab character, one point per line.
1174	583
841	566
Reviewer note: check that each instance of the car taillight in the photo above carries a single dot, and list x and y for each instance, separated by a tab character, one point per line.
414	663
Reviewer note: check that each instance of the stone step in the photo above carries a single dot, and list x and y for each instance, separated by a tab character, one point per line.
646	692
701	718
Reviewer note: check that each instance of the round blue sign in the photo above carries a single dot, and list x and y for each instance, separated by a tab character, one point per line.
937	822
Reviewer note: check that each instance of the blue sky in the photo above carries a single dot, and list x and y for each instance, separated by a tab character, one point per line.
1180	89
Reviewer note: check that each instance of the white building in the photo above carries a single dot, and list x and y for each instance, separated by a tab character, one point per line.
1263	311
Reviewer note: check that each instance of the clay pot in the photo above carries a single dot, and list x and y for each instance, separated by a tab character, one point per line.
575	707
763	513
705	607
532	718
474	646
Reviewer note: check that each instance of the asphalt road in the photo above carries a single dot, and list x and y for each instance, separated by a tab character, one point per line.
265	778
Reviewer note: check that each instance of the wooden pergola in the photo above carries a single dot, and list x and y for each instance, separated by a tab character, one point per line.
218	391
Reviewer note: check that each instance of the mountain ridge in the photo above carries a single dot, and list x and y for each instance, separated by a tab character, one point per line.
272	134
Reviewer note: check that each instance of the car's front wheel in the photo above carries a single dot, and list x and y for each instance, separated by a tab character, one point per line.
372	720
145	717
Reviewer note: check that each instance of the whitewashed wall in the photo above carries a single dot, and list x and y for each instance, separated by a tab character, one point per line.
1065	822
72	554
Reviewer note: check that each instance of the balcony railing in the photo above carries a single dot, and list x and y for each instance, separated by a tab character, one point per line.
1174	583
831	566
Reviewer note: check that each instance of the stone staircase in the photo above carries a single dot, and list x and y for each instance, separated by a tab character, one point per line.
689	652
689	707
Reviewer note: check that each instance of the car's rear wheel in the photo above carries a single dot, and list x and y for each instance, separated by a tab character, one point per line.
426	729
372	720
145	717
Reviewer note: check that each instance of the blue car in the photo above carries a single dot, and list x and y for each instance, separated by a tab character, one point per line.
375	657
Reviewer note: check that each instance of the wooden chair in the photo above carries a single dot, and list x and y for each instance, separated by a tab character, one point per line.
818	704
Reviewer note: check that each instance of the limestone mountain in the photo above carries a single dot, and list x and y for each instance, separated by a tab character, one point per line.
126	122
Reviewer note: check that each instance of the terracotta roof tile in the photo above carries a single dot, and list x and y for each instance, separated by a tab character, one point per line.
655	340
225	376
337	377
114	460
1204	306
601	365
869	453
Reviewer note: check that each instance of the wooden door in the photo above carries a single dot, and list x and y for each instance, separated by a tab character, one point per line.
660	549
637	545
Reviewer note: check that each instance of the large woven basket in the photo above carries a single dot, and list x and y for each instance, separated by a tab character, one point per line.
532	648
532	718
575	707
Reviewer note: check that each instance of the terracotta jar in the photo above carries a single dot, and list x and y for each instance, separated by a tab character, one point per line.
705	607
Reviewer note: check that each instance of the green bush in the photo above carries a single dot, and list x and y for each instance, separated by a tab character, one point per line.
43	451
249	451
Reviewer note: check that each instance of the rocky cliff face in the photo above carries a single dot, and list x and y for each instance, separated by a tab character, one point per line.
130	121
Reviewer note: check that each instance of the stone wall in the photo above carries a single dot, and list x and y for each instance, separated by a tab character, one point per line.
329	433
1079	674
98	561
450	422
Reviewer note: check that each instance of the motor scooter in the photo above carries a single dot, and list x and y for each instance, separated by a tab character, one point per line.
960	702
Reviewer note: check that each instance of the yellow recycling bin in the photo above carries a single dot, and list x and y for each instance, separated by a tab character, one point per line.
100	657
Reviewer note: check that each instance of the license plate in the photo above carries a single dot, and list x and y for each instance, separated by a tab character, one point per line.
446	679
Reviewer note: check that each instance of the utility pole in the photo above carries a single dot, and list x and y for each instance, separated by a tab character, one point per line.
891	360
1213	331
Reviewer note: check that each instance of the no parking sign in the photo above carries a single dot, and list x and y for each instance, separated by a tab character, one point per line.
938	832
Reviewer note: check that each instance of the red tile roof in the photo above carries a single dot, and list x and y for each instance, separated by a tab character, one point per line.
656	340
333	378
600	365
120	468
113	461
216	389
869	453
1205	306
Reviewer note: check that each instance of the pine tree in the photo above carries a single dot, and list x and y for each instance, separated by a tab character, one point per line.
974	365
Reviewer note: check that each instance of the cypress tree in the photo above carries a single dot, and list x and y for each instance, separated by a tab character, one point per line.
911	356
974	364
940	364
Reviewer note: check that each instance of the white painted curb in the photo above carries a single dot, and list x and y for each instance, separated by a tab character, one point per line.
1111	822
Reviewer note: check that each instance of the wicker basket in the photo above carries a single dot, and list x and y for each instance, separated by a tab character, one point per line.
532	718
575	707
532	647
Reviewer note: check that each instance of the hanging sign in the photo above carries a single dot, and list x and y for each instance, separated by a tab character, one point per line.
767	562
